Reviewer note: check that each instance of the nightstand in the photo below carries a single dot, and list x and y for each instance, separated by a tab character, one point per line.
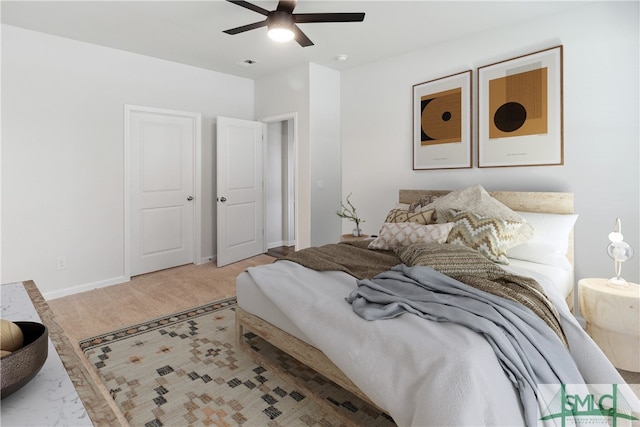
351	237
613	320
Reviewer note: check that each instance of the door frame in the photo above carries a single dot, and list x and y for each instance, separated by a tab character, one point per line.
296	169
197	179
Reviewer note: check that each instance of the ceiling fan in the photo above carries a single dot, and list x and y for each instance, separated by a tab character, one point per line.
282	21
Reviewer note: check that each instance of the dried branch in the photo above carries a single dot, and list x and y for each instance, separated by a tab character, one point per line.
349	212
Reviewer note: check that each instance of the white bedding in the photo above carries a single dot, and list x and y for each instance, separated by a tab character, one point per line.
420	372
561	279
252	299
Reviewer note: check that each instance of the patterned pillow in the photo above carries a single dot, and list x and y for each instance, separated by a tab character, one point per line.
489	236
405	215
473	199
394	235
422	202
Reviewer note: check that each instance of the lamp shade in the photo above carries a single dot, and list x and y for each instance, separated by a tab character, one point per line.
280	35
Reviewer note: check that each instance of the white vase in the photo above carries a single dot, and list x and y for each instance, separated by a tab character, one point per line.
356	232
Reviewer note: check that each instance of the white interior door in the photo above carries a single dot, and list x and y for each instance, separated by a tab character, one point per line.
240	204
162	177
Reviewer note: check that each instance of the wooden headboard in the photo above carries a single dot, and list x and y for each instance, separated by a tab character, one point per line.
523	201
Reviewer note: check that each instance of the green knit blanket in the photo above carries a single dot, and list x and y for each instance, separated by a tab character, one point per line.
353	258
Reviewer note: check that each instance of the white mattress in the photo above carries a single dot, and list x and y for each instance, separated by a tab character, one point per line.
253	300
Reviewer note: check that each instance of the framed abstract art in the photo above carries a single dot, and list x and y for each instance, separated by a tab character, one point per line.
520	111
442	123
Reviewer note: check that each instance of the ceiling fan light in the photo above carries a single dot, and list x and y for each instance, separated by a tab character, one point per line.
280	26
280	34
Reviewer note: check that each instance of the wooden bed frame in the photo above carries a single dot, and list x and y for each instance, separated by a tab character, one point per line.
540	202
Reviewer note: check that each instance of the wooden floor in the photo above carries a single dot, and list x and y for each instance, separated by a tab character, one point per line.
147	296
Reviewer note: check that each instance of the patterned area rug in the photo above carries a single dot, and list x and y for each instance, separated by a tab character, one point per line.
185	369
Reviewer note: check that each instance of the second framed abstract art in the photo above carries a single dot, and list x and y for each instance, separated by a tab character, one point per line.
442	123
520	111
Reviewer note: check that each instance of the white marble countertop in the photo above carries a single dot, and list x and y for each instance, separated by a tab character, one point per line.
49	399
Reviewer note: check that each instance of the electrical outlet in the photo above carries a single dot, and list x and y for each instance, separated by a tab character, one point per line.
61	263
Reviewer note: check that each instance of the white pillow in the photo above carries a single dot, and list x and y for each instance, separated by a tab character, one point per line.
550	240
394	235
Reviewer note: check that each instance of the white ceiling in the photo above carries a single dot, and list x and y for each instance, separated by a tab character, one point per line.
190	32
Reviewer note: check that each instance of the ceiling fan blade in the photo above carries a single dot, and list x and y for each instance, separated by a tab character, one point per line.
286	6
244	28
301	37
250	6
301	18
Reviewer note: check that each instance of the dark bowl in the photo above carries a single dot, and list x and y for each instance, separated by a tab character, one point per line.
19	367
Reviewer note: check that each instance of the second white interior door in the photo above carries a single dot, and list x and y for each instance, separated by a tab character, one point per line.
240	205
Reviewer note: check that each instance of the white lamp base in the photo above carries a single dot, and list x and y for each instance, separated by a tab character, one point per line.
618	282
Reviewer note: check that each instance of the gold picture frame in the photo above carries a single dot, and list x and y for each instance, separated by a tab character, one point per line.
520	111
442	123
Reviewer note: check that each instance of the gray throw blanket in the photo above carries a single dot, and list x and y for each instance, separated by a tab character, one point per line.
528	350
472	268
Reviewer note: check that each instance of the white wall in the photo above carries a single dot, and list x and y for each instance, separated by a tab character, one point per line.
62	151
289	214
601	125
313	93
278	185
325	154
282	94
273	186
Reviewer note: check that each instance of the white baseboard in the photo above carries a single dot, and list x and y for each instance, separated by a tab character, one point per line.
102	283
86	287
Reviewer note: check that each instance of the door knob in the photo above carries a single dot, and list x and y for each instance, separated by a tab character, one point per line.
223	199
190	198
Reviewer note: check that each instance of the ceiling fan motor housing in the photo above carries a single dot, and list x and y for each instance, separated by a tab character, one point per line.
278	19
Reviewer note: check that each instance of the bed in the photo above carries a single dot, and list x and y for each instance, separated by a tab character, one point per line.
425	372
